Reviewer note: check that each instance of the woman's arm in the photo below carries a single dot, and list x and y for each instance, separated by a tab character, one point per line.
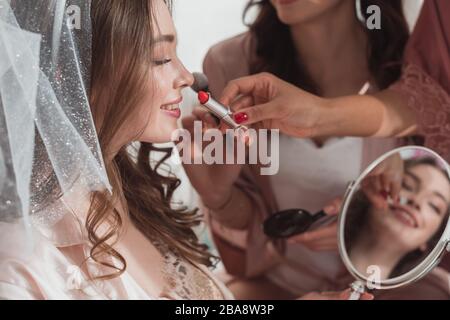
418	103
236	212
280	105
216	185
385	114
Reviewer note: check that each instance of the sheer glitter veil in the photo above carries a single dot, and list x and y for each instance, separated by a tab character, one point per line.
49	152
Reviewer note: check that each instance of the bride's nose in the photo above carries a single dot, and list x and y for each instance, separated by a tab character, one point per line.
185	79
414	202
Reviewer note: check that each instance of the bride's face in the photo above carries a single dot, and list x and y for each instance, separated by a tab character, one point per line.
160	108
413	224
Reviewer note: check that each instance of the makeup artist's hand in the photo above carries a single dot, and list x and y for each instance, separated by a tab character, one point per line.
384	181
273	103
324	238
343	295
213	182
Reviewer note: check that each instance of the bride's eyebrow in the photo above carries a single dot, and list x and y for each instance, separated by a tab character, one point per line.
165	38
416	179
441	196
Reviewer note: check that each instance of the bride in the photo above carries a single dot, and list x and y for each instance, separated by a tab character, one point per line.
91	250
83	214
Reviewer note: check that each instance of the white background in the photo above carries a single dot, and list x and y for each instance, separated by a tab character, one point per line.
202	23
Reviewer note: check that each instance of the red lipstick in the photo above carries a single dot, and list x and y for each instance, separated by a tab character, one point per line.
216	108
203	97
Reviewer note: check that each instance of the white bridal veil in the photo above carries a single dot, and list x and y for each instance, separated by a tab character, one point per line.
48	143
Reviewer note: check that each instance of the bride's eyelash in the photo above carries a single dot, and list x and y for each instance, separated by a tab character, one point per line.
435	208
162	62
407	186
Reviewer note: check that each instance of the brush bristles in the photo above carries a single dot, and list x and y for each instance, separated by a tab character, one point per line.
200	82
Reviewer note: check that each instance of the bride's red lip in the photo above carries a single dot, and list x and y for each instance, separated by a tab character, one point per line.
407	211
173	113
176	112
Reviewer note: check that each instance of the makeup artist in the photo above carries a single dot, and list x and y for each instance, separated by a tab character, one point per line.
419	103
323	47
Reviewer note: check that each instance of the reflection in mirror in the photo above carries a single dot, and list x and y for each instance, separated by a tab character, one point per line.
397	214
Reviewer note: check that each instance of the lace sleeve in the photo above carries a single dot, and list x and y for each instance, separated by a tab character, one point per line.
431	104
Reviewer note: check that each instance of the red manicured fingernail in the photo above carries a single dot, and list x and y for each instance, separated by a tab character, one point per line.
240	117
384	194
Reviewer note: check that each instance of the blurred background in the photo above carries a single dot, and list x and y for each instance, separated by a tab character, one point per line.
202	23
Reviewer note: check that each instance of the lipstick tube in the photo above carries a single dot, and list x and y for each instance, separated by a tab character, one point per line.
218	109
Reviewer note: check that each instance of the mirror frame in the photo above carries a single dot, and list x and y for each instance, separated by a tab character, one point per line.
422	268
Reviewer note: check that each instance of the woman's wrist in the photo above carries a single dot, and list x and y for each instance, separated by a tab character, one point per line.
235	212
326	118
349	116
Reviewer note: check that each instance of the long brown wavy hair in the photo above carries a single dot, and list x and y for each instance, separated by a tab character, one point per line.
276	53
121	57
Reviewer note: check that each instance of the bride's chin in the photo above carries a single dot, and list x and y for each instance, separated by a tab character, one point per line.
164	135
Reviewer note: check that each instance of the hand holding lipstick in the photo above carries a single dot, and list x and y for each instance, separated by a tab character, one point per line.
220	111
274	104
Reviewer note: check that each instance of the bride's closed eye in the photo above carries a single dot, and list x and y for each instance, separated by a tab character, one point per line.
162	62
164	47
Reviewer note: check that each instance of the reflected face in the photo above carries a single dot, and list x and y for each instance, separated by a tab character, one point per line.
292	12
426	193
160	109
